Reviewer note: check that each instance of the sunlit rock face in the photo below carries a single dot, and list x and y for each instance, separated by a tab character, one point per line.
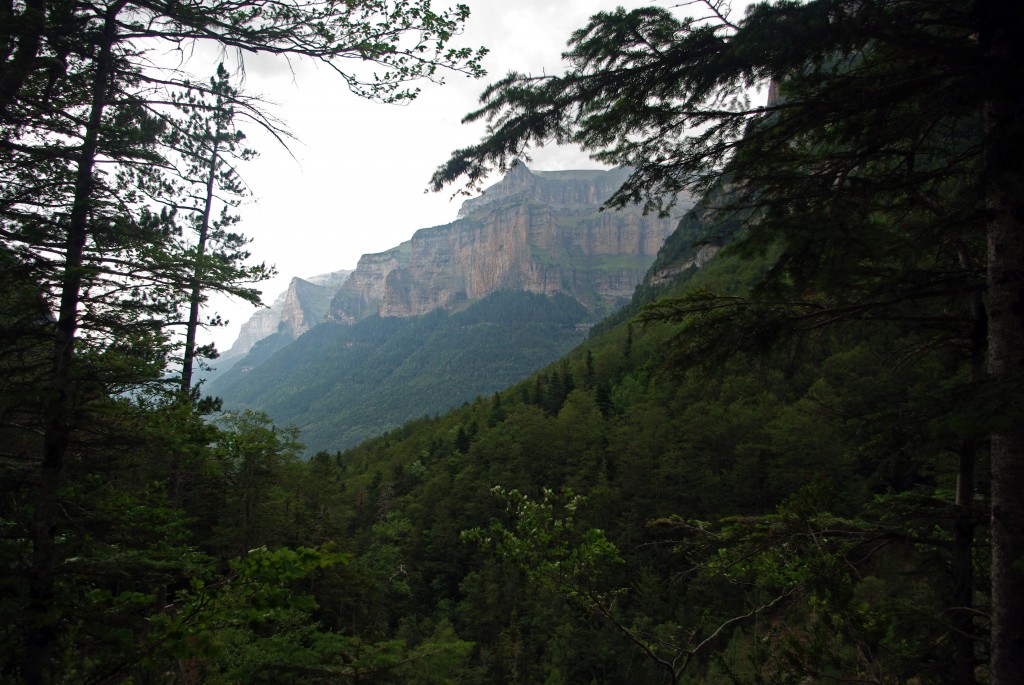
540	232
366	288
535	231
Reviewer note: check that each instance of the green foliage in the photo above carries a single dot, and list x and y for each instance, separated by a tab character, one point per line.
343	384
256	462
783	463
541	544
105	159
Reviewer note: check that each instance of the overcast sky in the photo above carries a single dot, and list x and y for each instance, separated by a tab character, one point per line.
357	180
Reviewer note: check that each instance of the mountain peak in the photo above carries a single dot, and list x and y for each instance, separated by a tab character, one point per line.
584	188
534	231
300	307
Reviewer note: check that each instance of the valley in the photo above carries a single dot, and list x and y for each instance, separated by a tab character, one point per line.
744	408
457	312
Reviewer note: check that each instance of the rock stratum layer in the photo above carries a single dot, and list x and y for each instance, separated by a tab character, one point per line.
539	232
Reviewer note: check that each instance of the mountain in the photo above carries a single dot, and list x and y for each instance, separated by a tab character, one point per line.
539	232
344	383
456	312
300	307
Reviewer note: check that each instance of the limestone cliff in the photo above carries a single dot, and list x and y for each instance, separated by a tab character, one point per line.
302	306
701	233
539	232
587	187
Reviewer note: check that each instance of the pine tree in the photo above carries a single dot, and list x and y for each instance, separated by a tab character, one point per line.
886	167
83	172
211	148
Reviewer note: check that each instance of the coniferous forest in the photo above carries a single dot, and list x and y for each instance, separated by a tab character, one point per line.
799	463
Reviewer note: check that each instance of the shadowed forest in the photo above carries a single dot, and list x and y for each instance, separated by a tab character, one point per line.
798	463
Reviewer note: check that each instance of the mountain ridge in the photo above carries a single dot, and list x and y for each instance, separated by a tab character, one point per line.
537	231
536	252
540	232
294	311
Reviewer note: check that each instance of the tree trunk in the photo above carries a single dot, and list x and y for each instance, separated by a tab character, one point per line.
1004	44
1006	351
41	619
194	300
966	518
195	296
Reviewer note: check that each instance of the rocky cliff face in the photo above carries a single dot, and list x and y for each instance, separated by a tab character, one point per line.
302	306
665	275
538	232
701	233
558	188
366	289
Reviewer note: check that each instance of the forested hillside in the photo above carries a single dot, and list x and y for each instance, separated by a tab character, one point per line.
796	457
340	384
739	517
664	512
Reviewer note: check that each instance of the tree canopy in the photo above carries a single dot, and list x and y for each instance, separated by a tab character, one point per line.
781	465
98	192
885	168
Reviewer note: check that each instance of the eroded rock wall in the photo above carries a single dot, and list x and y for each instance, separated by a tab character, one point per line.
538	232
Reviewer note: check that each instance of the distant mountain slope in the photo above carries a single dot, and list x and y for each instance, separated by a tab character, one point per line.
341	384
300	307
373	365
